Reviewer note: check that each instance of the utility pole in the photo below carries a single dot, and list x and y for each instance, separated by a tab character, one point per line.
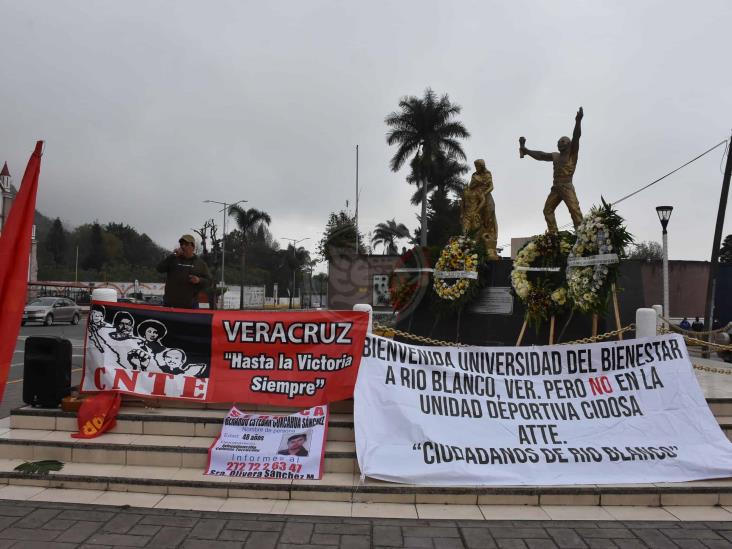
714	265
223	238
294	266
356	200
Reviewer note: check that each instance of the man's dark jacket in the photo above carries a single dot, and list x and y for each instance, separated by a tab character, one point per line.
179	291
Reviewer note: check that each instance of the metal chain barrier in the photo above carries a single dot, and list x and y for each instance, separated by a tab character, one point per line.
709	369
439	342
600	337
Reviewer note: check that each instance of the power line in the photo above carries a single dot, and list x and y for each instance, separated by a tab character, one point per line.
669	173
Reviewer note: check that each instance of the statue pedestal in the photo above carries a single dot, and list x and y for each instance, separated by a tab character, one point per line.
495	317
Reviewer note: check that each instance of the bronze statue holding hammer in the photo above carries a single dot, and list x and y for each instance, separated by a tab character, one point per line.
565	162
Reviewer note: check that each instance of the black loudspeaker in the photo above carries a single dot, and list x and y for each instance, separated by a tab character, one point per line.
46	371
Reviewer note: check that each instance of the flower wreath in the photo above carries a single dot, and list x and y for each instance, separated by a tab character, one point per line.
456	271
407	284
538	277
592	265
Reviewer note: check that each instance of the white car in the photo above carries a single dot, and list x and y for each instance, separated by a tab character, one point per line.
51	309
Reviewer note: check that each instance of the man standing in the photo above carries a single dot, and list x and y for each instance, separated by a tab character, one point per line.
565	162
186	275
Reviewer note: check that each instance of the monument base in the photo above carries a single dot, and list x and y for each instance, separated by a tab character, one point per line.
496	316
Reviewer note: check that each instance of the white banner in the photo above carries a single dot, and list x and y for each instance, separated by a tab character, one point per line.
270	446
602	259
607	413
456	274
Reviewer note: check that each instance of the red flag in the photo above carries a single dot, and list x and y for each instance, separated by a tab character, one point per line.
15	245
97	415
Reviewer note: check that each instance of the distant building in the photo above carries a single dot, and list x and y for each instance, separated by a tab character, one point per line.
8	196
516	244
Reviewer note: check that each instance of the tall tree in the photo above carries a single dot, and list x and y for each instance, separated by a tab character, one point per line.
387	234
424	128
446	177
295	259
97	256
725	252
443	218
340	236
55	242
247	221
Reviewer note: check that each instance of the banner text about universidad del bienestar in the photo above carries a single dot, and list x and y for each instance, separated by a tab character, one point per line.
619	412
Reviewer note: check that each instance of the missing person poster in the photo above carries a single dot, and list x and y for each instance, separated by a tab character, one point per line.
271	446
294	359
606	413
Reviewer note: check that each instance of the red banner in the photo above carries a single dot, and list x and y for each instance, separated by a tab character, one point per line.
15	246
297	359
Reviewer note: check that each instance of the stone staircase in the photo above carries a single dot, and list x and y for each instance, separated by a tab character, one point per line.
163	450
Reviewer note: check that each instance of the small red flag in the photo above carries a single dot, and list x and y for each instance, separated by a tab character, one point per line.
15	245
97	414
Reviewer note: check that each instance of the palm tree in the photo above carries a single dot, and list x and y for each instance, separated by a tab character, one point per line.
295	258
425	127
248	221
445	177
387	233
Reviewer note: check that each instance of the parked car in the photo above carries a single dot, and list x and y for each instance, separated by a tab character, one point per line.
51	309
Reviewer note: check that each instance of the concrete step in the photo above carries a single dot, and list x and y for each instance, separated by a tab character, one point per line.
347	487
133	420
134	449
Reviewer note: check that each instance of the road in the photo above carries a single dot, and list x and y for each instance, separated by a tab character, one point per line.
13	397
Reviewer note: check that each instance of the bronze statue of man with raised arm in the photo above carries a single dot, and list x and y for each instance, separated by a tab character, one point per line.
565	162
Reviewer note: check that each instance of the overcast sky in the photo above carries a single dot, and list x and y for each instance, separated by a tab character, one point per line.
149	108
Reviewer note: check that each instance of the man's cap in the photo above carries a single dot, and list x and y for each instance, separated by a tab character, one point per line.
299	435
187	238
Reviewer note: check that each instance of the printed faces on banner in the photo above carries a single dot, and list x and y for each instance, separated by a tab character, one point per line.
147	351
291	359
616	412
269	446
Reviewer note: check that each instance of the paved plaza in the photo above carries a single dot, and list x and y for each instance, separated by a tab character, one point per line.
29	525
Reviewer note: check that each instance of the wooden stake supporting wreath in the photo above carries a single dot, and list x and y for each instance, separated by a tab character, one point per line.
551	330
617	312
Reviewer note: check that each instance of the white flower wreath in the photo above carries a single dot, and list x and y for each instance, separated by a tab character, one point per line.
586	279
522	265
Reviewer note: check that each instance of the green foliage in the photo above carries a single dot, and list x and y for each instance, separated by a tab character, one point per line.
443	219
55	242
339	236
112	252
725	252
40	467
96	255
388	233
647	250
248	222
426	129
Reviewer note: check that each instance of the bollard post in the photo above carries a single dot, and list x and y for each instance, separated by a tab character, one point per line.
659	314
646	322
365	307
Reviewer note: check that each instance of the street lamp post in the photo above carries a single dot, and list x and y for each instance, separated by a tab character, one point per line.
223	237
664	214
294	258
